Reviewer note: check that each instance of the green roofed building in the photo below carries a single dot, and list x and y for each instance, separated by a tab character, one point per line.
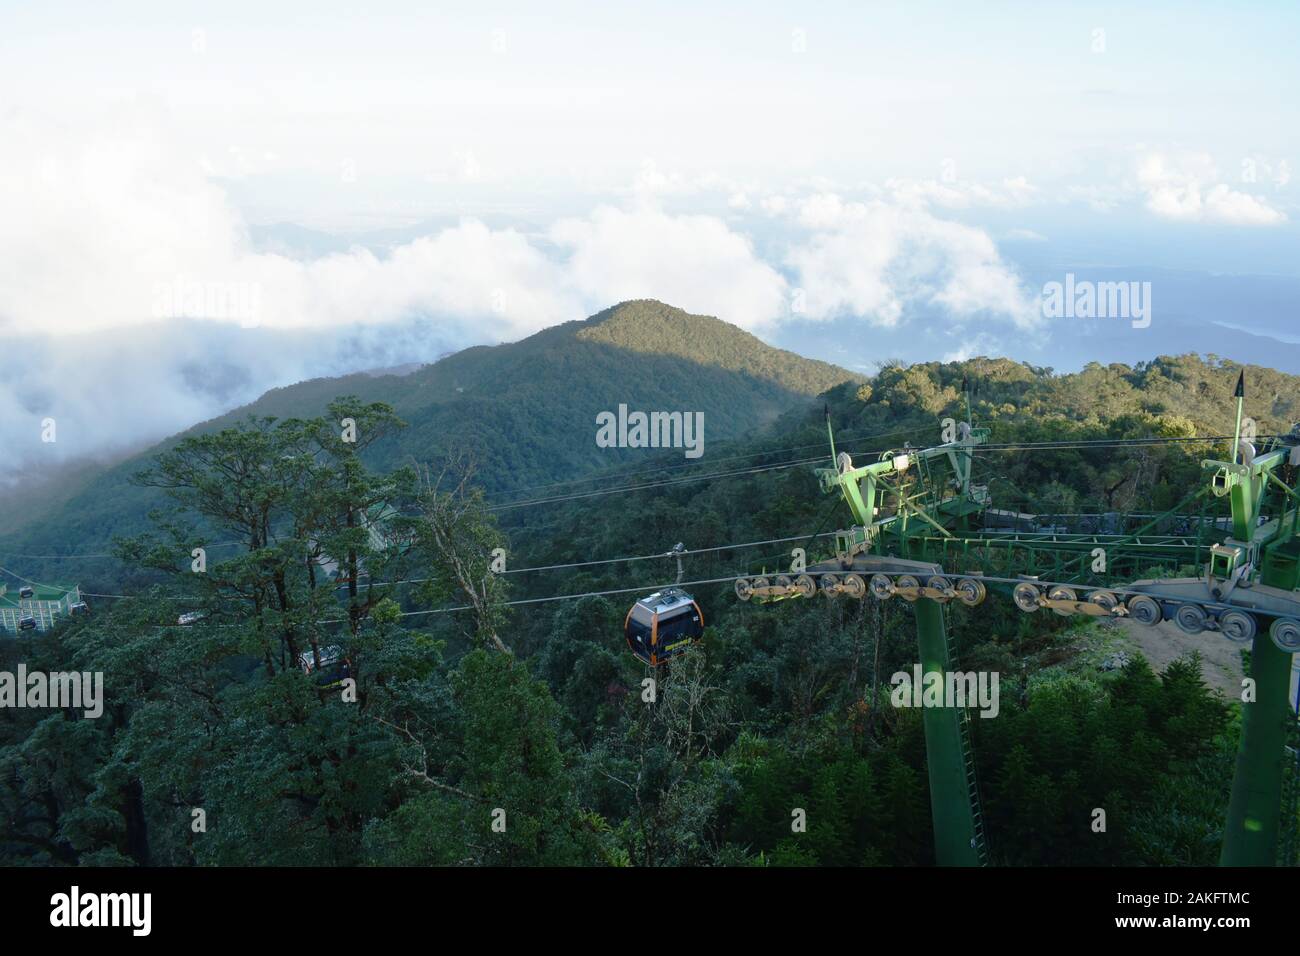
42	605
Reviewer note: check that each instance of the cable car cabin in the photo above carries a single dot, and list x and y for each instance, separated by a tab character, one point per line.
25	592
26	623
334	669
663	625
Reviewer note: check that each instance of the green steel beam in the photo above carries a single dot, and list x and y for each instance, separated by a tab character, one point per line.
1254	810
952	807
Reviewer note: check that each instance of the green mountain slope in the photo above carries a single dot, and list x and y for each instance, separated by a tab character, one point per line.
525	411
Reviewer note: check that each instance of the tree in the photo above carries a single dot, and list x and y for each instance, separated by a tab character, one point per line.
456	539
297	498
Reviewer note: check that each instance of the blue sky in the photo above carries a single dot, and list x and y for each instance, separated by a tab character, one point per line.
848	180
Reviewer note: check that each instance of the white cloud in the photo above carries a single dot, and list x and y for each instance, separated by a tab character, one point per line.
102	225
978	344
957	194
651	183
879	261
495	279
694	262
112	389
1100	199
827	211
462	166
100	229
107	222
125	271
1185	189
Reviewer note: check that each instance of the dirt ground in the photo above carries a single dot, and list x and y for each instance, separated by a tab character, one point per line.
1220	657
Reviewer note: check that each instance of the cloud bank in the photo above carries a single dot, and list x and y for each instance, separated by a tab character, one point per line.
1185	188
133	302
881	262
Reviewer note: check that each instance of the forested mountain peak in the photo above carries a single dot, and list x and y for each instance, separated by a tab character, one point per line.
647	325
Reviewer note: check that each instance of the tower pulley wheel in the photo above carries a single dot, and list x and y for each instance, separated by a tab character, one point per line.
1191	618
1285	633
1026	597
1144	609
1105	600
971	592
1062	593
1237	626
909	582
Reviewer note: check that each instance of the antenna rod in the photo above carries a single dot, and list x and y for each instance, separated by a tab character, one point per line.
1240	392
970	452
830	434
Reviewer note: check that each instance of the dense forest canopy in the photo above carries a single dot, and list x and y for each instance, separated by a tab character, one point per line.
520	734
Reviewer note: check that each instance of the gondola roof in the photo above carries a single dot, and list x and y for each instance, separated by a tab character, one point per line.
667	600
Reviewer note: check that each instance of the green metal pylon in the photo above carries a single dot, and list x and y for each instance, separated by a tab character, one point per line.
952	804
1250	835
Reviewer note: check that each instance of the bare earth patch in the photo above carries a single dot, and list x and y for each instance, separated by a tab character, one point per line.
1220	657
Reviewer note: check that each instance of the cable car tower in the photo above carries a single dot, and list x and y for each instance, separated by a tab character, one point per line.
1263	559
916	510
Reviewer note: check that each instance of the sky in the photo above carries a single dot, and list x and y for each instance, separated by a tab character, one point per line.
200	202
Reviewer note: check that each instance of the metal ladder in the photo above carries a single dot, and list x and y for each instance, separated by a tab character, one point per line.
981	846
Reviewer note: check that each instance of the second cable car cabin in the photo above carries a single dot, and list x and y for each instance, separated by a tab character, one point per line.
663	625
335	667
